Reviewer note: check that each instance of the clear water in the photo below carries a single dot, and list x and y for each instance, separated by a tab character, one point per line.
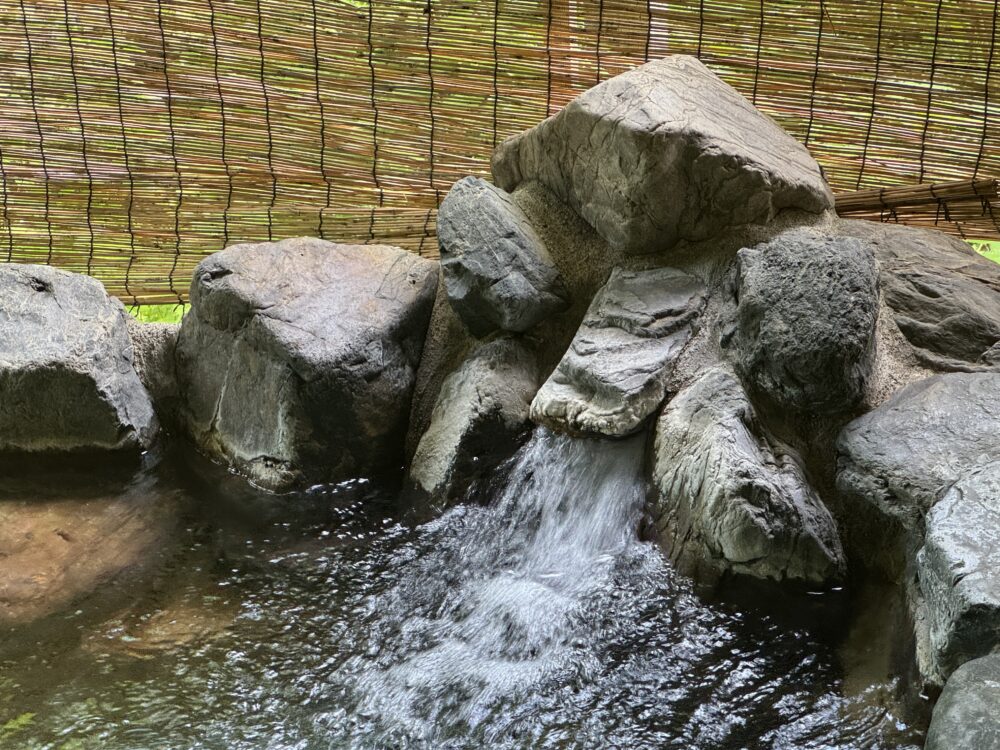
327	621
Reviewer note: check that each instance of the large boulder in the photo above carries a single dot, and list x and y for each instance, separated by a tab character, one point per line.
803	329
497	271
965	717
297	359
613	376
901	457
945	297
480	417
663	153
67	380
959	571
731	498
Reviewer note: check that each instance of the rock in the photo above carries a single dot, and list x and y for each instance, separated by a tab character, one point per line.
945	297
959	571
613	375
803	330
480	418
730	498
902	456
154	346
63	539
965	716
297	358
67	381
664	153
497	271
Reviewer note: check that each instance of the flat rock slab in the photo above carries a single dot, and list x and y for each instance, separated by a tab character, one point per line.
730	498
67	380
945	296
959	571
965	716
803	330
481	415
59	547
497	271
902	456
662	153
612	377
296	362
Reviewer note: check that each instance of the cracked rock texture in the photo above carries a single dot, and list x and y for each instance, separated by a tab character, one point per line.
664	153
965	717
480	418
945	297
730	497
803	329
297	359
67	380
613	376
959	571
497	271
902	456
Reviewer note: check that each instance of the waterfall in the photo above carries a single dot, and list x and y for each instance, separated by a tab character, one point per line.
497	608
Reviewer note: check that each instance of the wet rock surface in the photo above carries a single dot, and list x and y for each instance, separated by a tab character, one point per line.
945	297
67	380
804	323
966	713
497	271
959	571
297	359
662	153
902	456
732	499
480	418
612	377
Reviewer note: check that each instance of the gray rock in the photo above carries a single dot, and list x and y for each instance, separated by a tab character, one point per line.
804	321
497	271
297	359
480	417
945	297
67	380
662	153
902	456
153	347
613	375
965	717
959	571
729	497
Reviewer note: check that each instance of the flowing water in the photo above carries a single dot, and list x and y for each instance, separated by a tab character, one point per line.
539	620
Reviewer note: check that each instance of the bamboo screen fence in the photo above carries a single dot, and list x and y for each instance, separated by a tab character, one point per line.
139	135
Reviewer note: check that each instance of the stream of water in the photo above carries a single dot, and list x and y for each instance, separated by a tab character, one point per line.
539	620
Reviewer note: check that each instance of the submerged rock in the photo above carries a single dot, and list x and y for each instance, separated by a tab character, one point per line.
613	376
902	456
60	541
731	498
959	571
945	297
67	380
497	271
663	153
480	417
965	716
297	359
804	323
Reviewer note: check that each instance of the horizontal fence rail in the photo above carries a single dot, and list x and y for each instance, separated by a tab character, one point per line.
139	135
